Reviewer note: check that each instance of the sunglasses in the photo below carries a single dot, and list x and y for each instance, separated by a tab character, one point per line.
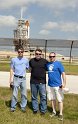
20	51
37	53
51	56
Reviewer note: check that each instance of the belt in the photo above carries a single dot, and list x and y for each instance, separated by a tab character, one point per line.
18	76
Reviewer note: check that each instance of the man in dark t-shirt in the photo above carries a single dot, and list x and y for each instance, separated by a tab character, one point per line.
38	82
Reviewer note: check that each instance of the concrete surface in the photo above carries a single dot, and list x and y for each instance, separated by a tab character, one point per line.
71	81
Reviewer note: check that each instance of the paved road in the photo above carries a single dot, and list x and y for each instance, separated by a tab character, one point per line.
72	81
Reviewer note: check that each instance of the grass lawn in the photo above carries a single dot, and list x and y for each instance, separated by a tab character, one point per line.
18	117
69	68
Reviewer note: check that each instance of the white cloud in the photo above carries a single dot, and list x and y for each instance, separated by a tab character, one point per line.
59	3
44	32
69	26
6	21
48	3
50	25
14	3
62	26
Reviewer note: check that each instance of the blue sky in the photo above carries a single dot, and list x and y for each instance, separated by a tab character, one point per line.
49	19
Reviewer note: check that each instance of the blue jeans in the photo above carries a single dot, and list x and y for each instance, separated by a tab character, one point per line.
41	88
19	82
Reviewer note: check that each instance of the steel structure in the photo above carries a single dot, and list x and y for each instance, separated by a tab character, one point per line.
21	35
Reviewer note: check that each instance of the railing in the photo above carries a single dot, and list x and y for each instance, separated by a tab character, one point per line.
67	50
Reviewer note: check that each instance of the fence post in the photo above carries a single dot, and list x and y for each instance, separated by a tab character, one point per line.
71	52
45	48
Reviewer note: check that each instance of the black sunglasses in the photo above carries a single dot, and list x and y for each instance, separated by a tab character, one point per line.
51	56
20	51
38	53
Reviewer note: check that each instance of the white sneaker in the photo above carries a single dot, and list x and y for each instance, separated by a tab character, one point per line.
53	114
60	117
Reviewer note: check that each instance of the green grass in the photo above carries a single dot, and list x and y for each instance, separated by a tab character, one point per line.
4	66
18	117
69	68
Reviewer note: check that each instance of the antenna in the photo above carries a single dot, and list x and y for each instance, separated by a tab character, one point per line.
21	12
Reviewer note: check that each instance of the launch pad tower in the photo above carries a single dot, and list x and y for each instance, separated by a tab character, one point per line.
21	34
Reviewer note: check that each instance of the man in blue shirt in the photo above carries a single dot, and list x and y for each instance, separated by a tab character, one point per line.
18	73
56	81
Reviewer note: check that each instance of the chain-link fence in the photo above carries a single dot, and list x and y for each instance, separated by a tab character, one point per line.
63	48
66	50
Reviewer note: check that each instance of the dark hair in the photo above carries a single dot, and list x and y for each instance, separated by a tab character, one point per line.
53	53
21	48
38	50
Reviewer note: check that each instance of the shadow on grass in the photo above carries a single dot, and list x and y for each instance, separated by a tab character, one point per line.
50	110
29	104
8	104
